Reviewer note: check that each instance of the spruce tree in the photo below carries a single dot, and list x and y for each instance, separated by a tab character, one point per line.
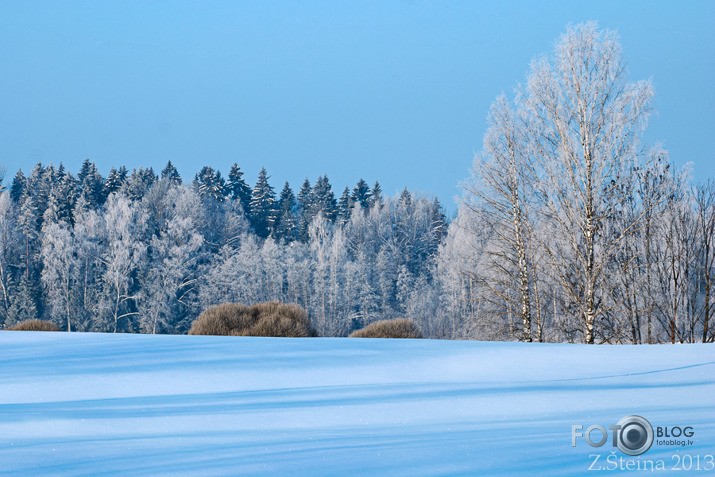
263	206
324	200
438	225
113	183
91	184
19	184
405	199
209	184
305	210
376	197
287	224
66	195
345	206
122	174
24	301
238	189
171	174
361	194
29	222
85	170
51	215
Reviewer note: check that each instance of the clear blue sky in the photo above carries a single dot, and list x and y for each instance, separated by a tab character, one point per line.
390	90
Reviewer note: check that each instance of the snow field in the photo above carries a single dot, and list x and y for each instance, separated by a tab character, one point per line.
104	404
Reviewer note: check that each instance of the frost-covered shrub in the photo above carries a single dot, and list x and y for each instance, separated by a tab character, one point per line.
264	319
398	328
35	325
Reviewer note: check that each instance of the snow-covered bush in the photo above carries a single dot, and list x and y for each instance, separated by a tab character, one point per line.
397	328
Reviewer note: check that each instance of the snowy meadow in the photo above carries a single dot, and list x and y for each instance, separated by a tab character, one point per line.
105	404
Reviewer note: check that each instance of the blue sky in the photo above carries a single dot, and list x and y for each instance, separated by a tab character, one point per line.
390	91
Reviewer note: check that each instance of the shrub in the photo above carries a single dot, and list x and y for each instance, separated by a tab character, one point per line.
398	328
264	319
35	325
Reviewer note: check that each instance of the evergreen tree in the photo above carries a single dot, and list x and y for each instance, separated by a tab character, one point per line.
91	184
376	198
66	194
439	223
39	185
114	183
122	174
19	184
324	200
238	189
171	174
345	207
24	302
287	225
361	194
405	199
28	218
305	210
139	183
263	206
85	170
51	215
209	184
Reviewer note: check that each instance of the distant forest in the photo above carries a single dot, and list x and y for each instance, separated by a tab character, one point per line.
145	252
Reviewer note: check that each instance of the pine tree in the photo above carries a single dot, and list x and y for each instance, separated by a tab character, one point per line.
361	194
238	189
19	184
287	225
171	174
263	206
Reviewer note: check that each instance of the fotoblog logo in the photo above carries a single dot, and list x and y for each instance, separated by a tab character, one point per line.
633	435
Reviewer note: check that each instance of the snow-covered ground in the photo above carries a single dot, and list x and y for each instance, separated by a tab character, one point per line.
94	404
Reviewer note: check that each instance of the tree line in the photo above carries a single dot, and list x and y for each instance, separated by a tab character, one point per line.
142	252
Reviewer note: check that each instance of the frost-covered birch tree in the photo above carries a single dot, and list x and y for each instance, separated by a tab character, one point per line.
585	122
60	271
499	191
170	277
125	251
